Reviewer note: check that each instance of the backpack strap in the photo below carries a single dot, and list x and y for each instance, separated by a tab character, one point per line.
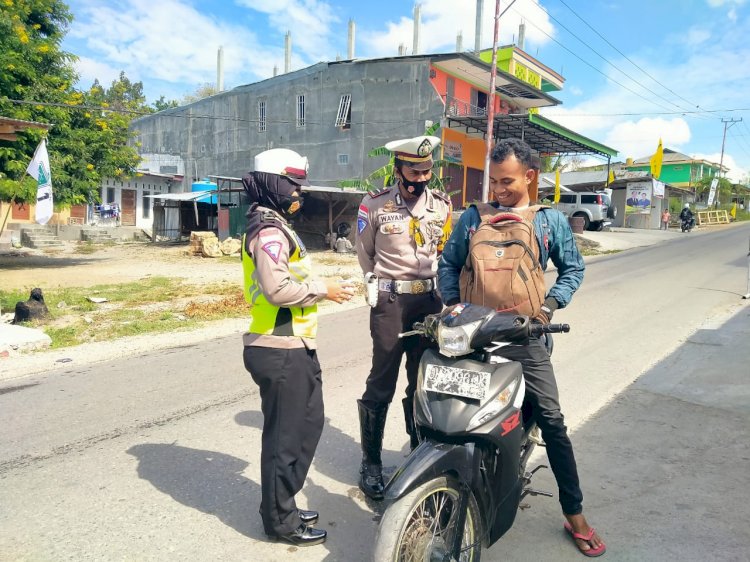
488	212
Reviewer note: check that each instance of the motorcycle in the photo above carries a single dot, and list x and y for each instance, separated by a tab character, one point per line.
687	224
476	436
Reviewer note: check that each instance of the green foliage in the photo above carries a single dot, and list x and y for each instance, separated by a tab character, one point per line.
161	104
383	176
723	191
203	91
84	144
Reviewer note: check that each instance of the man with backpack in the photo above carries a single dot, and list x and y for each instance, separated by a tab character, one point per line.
496	256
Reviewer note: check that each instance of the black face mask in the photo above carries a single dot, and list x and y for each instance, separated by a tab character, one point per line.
290	207
415	188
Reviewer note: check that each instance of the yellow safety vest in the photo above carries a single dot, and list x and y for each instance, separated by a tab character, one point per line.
271	320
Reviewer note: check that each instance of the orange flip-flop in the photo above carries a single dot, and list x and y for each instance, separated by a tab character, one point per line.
591	552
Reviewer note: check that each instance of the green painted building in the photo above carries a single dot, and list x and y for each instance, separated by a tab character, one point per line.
677	169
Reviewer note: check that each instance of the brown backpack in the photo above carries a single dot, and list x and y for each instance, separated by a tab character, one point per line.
502	267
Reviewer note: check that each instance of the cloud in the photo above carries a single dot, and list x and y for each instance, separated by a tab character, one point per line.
89	70
141	38
441	21
735	173
310	22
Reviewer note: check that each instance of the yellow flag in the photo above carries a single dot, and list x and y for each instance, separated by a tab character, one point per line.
656	161
557	185
611	177
733	212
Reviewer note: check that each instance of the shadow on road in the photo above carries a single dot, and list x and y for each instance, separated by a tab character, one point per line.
208	481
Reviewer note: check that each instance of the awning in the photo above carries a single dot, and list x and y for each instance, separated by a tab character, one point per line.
541	134
475	71
305	188
186	196
9	127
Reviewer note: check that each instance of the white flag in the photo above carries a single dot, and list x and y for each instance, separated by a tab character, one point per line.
39	170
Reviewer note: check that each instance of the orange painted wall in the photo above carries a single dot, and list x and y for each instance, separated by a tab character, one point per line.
462	90
472	152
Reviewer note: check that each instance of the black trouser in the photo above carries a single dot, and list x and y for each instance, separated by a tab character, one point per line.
541	392
291	393
393	314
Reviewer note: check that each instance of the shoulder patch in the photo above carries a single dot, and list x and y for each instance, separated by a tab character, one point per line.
273	249
441	195
379	192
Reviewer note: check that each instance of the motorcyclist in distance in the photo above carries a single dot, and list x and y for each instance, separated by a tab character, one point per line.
687	215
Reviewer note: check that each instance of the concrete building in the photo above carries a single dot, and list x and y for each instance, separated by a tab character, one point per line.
337	112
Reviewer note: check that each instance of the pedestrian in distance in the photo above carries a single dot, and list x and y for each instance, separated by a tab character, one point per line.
510	175
665	216
401	230
279	346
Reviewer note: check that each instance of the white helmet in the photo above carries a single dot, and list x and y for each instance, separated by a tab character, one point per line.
687	205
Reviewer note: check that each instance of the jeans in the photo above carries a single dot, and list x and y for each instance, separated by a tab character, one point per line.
541	392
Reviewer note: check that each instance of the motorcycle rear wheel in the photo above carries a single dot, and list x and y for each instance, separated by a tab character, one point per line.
421	525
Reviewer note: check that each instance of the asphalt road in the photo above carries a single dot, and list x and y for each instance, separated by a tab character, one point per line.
157	457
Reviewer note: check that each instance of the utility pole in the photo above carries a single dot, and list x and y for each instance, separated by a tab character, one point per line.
491	103
730	122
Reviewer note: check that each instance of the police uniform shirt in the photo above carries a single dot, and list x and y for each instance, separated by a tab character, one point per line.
400	240
270	253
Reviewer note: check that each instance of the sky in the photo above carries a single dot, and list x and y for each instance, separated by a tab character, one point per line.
635	71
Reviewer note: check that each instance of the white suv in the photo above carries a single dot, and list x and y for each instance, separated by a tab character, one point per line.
595	208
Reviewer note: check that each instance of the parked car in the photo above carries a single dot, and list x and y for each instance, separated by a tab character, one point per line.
595	208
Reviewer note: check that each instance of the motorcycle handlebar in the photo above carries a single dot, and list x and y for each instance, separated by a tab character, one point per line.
539	329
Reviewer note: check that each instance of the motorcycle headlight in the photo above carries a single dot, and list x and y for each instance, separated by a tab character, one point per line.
497	404
454	341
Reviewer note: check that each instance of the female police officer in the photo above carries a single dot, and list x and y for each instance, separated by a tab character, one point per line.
279	345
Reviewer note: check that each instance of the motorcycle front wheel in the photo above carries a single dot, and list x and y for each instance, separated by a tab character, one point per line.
421	525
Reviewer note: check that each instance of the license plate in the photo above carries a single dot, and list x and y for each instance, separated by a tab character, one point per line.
458	382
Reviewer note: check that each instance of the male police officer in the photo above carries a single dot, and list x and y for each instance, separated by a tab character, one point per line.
401	230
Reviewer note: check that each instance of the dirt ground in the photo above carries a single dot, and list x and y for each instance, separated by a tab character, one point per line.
120	263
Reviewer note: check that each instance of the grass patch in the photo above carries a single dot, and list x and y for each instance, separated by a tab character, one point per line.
85	248
151	305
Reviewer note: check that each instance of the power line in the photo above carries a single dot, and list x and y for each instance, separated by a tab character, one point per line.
628	58
593	67
185	115
609	62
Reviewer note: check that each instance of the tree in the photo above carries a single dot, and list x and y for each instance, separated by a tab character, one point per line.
723	190
89	134
385	172
161	104
204	91
561	162
32	68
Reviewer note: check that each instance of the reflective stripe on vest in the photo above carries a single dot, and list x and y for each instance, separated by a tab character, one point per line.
271	320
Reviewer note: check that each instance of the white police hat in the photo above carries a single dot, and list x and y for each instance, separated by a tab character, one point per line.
415	153
283	162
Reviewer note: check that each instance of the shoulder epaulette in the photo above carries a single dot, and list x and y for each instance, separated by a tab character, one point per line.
379	192
441	195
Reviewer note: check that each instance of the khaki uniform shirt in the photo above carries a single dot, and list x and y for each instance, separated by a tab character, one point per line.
402	240
279	288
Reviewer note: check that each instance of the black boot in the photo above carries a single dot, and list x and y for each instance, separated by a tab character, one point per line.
411	428
371	426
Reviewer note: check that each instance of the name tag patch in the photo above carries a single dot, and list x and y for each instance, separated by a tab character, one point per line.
390	217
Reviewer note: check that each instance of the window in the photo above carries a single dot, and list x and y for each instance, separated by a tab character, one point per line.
110	195
146	204
567	198
589	199
262	116
300	111
343	159
344	116
167	169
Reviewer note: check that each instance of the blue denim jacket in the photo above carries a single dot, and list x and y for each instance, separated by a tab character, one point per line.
556	243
